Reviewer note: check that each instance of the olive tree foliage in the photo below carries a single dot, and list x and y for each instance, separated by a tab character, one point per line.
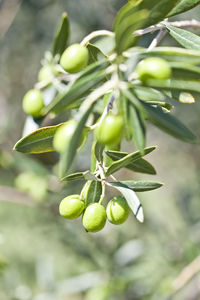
110	84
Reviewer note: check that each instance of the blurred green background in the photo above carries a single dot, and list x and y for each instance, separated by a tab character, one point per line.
43	257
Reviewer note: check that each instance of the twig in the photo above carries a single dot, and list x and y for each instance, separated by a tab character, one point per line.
157	39
94	34
187	274
180	24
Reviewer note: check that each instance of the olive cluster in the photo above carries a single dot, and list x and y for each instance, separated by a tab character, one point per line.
94	216
73	60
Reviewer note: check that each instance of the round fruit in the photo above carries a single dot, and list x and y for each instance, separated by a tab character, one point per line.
33	103
109	131
74	58
117	210
94	217
153	68
71	207
63	135
46	73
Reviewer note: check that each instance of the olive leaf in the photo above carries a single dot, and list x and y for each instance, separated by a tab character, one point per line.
182	6
61	36
38	141
137	128
187	39
88	79
91	192
140	165
127	160
139	186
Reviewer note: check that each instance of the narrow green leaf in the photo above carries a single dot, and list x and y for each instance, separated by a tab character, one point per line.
124	110
95	53
185	70
186	38
99	151
71	148
74	177
39	141
79	89
175	85
127	160
61	36
131	198
182	6
92	192
148	94
140	165
137	127
140	186
124	34
168	123
172	54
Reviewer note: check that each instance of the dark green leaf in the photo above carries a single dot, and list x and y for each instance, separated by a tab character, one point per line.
186	38
86	81
185	70
140	186
148	94
140	165
182	6
175	85
124	110
172	54
74	177
137	127
71	148
95	53
92	192
124	33
39	141
157	11
131	198
168	123
127	160
99	151
61	36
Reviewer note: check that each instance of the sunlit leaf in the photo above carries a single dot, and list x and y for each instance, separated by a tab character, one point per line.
39	141
186	38
61	36
127	160
182	6
140	165
140	186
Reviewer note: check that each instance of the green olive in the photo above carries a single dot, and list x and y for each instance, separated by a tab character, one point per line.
64	133
33	103
94	217
117	210
71	207
109	131
74	58
153	68
46	73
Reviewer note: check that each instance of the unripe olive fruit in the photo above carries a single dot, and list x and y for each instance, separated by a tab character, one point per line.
46	73
109	131
153	68
117	210
33	103
94	217
74	58
63	135
71	207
